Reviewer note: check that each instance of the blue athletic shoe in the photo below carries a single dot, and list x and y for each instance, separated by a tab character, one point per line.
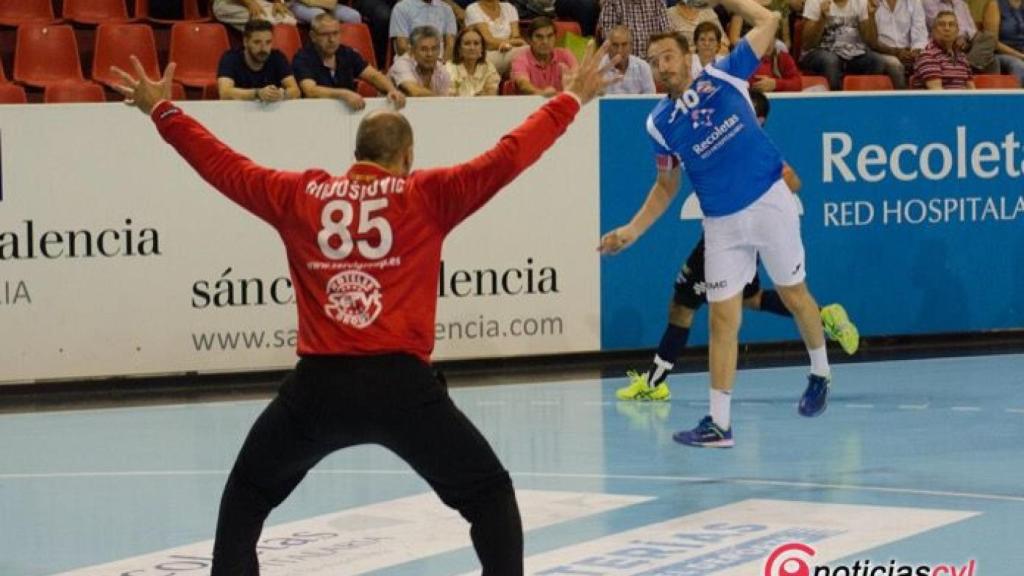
815	398
707	434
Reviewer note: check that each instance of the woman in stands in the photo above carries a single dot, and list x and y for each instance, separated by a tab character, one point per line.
498	23
471	73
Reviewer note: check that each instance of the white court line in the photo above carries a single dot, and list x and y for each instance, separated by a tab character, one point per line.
966	408
1015	410
913	406
545	402
563	475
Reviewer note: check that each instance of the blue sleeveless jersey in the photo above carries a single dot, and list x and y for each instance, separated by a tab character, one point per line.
712	131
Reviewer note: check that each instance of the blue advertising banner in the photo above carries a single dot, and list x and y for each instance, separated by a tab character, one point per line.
913	210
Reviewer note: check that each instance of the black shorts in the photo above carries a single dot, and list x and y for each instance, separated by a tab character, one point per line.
689	286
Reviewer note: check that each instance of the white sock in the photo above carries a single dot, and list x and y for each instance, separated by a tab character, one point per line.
721	402
819	362
661	368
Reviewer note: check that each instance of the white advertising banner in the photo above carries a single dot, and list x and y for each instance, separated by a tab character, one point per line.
117	260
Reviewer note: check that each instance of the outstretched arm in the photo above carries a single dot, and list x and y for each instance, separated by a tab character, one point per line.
260	190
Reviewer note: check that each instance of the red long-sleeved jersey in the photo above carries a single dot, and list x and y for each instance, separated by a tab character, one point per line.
364	249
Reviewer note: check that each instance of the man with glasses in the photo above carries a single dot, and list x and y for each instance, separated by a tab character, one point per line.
326	68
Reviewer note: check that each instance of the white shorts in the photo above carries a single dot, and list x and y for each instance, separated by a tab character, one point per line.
769	228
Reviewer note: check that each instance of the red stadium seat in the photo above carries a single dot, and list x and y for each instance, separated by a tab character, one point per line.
808	81
96	11
867	83
287	40
85	91
358	38
996	81
178	91
115	43
18	12
196	48
366	90
46	54
12	94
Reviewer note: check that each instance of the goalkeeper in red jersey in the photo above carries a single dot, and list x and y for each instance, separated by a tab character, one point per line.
359	246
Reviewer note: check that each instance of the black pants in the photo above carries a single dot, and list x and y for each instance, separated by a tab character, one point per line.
392	400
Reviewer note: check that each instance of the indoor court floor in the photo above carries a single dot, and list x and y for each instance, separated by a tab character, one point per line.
915	463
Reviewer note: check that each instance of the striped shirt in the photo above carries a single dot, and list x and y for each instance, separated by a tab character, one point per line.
936	63
642	17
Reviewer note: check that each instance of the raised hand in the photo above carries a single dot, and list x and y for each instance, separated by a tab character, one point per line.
591	78
140	90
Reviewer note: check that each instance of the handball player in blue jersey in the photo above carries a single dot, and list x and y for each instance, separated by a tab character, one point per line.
708	127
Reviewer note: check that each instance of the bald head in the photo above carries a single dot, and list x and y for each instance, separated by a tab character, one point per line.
383	137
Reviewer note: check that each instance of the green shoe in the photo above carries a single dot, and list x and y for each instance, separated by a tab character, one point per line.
839	328
639	390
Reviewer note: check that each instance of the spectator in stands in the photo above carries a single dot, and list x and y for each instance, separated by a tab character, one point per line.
542	68
306	10
707	46
236	13
834	40
1006	19
635	73
943	65
900	36
498	23
410	14
256	71
978	45
420	71
776	73
684	18
328	69
471	73
642	17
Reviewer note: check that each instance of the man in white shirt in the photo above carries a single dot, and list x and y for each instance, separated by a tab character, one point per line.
635	73
410	14
420	72
834	40
901	35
